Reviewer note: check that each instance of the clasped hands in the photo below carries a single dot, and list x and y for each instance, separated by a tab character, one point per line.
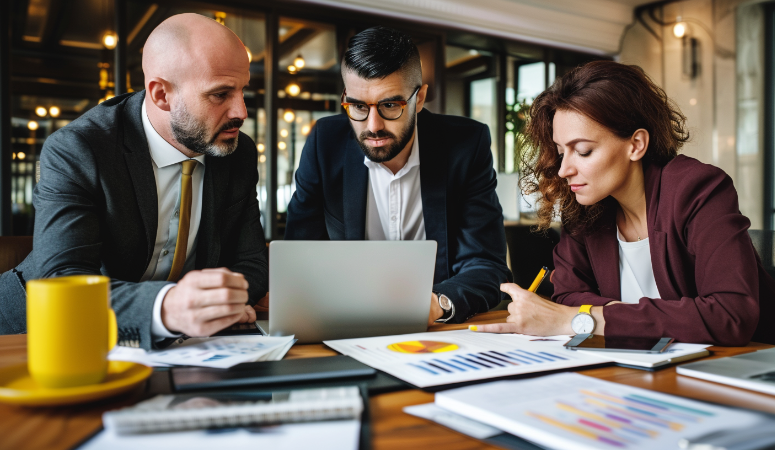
206	301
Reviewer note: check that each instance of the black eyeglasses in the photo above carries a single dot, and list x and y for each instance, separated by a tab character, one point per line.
388	110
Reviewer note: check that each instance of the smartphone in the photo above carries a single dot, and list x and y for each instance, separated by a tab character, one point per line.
618	344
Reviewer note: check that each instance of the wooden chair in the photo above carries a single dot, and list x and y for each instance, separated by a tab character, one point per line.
13	250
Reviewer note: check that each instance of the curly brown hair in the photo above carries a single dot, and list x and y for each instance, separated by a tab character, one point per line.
620	97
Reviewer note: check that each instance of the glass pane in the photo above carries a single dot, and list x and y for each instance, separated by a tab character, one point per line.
309	89
483	109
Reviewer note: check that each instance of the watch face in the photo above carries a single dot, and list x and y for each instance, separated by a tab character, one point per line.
445	303
583	323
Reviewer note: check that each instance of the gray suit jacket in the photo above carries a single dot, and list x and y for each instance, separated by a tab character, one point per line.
96	212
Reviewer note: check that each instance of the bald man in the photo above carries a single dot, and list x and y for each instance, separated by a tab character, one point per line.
156	190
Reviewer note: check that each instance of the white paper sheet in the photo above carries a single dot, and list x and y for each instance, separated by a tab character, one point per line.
330	435
219	352
569	410
469	356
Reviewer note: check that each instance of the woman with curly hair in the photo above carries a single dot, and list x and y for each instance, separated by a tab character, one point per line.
653	243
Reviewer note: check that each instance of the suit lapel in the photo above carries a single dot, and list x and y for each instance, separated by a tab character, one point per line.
603	249
140	165
355	189
214	192
433	187
657	238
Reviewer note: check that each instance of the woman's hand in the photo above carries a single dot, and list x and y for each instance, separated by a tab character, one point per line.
531	314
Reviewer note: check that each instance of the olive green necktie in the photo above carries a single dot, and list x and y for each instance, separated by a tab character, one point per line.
184	220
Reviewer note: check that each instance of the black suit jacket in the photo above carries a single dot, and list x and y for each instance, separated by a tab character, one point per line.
96	212
460	207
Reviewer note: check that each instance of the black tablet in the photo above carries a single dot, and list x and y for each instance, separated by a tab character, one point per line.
270	372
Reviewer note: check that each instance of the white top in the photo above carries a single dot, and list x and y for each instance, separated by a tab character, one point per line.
167	172
394	203
635	270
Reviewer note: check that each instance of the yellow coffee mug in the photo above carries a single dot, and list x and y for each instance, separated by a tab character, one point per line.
70	329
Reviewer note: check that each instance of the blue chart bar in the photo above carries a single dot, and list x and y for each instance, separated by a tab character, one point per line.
484	360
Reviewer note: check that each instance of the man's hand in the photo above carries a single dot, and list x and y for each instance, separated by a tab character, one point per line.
206	301
531	314
436	311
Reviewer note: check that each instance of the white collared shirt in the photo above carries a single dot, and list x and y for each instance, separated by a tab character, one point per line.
394	203
635	270
167	172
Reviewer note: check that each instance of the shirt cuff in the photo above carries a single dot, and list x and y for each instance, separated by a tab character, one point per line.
158	330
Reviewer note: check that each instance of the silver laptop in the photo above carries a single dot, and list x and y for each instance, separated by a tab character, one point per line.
754	371
321	290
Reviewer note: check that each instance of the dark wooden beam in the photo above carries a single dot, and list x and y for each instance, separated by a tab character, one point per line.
119	53
6	22
19	11
270	135
56	23
292	43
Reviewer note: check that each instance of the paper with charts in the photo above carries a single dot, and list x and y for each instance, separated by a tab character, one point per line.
447	357
569	410
219	352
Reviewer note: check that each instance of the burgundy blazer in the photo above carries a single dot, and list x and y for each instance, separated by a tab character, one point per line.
713	286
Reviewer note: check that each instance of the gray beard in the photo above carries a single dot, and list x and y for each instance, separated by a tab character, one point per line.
193	134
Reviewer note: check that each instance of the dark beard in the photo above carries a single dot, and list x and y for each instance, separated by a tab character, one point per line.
390	151
193	134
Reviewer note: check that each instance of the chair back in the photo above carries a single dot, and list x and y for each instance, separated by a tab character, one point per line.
763	243
13	250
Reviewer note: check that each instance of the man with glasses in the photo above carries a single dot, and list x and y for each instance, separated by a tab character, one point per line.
424	176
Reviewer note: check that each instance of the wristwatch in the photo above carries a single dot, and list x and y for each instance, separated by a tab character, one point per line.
583	322
446	304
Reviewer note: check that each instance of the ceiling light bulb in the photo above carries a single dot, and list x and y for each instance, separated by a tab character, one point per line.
21	155
32	125
40	111
54	111
292	69
261	148
109	40
284	133
298	62
305	130
679	29
293	89
289	116
262	159
281	145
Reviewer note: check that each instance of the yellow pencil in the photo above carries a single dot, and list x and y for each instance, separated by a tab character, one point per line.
539	279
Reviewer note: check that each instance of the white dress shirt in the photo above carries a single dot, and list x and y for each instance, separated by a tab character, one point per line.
635	270
167	172
394	203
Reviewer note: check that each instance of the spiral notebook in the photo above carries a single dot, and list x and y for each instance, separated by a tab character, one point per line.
229	410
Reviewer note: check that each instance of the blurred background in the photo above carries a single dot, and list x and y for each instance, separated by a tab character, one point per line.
486	60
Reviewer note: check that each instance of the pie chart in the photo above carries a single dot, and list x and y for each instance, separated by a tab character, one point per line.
422	347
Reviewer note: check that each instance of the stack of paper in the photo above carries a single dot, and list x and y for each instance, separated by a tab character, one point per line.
217	352
574	411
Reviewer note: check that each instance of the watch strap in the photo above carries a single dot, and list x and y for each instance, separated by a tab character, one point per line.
585	309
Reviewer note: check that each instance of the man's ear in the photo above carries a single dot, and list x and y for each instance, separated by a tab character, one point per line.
640	143
421	97
159	91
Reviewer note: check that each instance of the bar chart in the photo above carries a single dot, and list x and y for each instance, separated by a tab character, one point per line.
432	359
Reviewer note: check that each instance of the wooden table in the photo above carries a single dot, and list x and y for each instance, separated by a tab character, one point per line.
63	427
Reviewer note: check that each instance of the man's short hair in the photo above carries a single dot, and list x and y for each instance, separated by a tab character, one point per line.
378	52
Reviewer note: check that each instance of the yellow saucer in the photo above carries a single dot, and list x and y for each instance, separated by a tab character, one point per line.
17	387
